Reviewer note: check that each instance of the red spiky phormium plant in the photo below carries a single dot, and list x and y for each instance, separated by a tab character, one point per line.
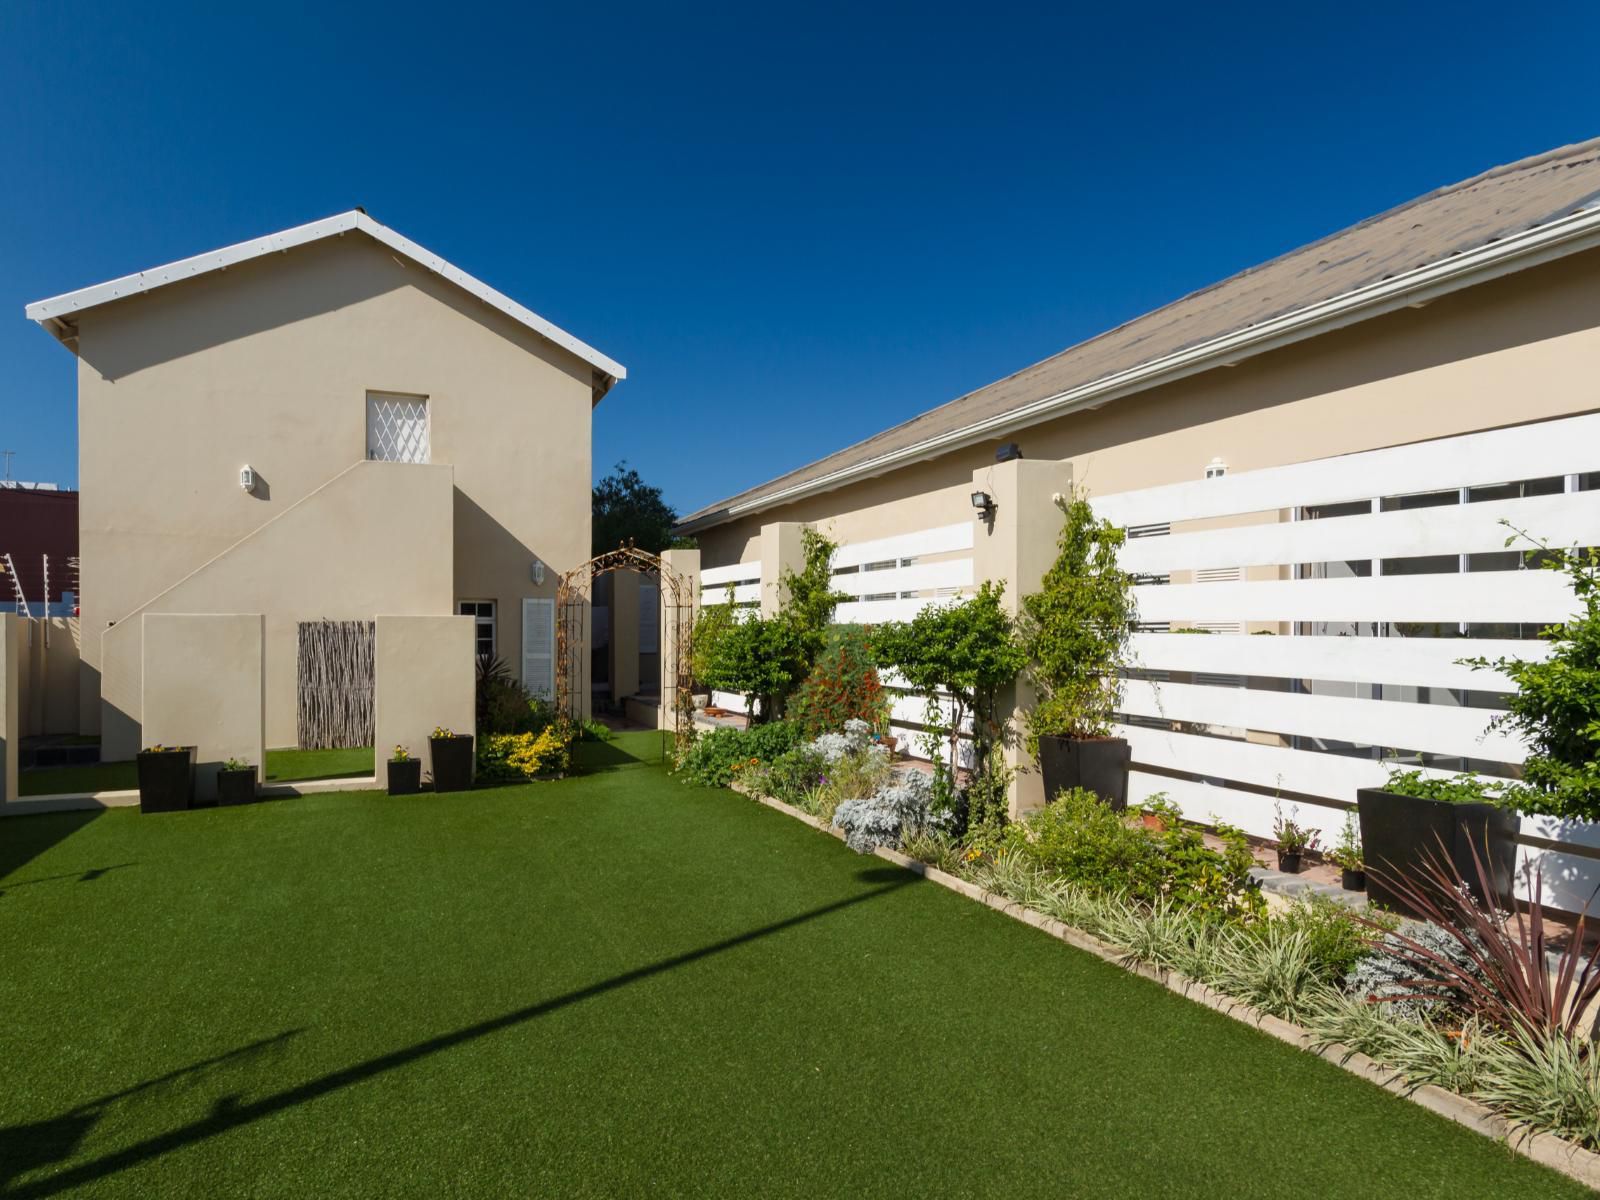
1506	980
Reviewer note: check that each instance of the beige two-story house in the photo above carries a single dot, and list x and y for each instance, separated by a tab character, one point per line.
325	423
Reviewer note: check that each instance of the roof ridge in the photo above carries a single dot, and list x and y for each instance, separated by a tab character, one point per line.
1508	217
1532	161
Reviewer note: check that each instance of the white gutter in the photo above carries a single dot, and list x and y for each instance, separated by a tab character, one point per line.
52	313
1558	238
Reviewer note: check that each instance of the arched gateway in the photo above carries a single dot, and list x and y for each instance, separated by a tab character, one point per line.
573	597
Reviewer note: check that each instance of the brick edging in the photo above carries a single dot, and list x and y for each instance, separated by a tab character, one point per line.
1547	1149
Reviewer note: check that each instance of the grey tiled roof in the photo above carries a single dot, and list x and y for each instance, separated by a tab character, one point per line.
1465	216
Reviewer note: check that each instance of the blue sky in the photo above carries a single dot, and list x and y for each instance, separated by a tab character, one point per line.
794	225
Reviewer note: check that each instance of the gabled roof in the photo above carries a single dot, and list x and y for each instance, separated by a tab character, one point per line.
56	313
1505	220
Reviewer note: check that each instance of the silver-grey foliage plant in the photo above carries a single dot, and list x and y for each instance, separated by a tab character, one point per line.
898	809
1388	978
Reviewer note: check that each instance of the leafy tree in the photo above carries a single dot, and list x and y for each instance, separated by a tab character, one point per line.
766	658
809	599
1556	706
968	650
1075	629
761	658
627	509
710	627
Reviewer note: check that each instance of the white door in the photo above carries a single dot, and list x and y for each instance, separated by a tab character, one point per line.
539	646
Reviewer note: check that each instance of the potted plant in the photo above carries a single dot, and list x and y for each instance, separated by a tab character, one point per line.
1293	839
166	779
1075	630
405	773
1159	813
452	760
1347	855
1414	818
236	782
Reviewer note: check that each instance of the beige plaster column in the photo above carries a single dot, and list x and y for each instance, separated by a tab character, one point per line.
781	550
1016	545
203	685
624	635
685	564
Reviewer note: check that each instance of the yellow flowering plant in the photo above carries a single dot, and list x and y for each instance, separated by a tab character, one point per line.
526	755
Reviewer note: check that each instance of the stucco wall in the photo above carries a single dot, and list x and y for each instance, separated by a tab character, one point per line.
376	537
1518	349
203	687
10	731
270	363
423	677
48	676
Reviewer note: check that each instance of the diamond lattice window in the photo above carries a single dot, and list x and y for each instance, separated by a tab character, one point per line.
397	428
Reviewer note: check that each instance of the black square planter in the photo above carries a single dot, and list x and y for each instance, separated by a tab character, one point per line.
405	778
452	762
1098	765
237	786
166	779
1400	834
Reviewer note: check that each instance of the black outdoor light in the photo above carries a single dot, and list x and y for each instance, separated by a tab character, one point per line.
1007	452
984	503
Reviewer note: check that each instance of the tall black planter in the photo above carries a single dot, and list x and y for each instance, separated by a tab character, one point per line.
452	762
166	779
1099	765
1399	834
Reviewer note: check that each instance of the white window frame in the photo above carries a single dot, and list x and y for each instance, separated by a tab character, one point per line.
418	452
473	609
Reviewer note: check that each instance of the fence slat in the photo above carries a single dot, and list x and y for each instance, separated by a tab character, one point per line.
1418	662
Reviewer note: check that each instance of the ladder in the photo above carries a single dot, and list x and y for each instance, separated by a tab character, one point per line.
16	587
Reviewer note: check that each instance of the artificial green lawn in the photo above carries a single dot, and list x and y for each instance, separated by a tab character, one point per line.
283	766
618	985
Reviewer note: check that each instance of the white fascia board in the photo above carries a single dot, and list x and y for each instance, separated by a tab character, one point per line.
57	308
1556	239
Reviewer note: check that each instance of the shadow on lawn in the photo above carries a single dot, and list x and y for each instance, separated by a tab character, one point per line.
87	876
28	1147
25	1148
591	757
25	838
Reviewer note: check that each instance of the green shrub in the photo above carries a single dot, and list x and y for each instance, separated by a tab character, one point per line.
504	705
1335	940
1556	707
789	777
506	756
1075	628
1458	789
714	759
1081	841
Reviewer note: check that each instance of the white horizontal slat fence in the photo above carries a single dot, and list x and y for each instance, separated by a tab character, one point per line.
1226	723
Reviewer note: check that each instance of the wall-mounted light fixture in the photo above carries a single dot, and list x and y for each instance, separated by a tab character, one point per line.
1216	469
536	572
1007	452
984	503
247	478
